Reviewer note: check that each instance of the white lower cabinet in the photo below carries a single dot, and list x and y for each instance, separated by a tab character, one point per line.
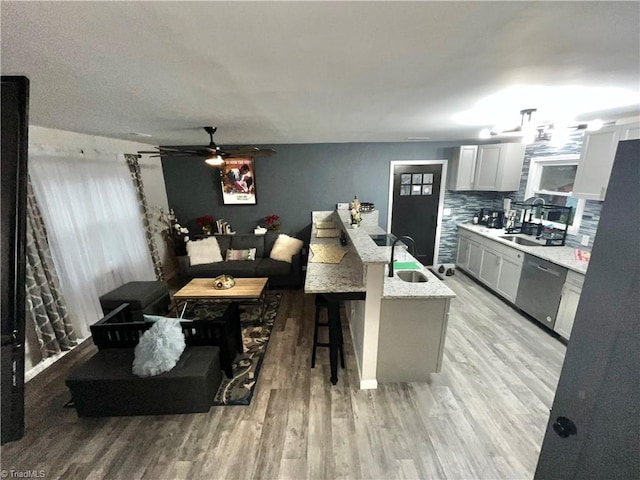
569	304
496	265
490	267
475	258
462	258
509	279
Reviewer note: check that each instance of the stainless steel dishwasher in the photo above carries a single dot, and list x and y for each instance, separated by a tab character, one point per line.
540	289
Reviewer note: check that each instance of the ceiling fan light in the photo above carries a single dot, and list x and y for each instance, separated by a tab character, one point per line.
215	161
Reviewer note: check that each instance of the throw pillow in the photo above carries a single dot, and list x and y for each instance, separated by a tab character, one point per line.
249	254
159	348
203	251
285	247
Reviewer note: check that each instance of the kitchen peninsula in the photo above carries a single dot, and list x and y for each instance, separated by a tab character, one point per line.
398	327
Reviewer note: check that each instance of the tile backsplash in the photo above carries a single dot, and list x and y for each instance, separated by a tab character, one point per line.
464	205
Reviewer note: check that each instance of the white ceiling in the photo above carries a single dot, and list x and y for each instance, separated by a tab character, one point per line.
315	72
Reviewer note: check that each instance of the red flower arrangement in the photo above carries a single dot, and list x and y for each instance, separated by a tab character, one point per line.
272	222
205	220
271	219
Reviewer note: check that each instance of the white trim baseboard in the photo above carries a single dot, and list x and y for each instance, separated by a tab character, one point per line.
368	384
47	362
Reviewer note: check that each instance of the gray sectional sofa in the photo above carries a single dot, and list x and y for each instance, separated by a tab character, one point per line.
281	274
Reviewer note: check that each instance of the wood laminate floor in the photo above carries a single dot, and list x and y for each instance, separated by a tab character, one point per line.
483	416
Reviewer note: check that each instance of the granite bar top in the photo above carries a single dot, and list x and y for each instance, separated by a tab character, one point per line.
563	256
349	275
360	238
344	277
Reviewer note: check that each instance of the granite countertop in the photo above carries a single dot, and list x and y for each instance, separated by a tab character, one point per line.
344	277
349	274
395	288
563	256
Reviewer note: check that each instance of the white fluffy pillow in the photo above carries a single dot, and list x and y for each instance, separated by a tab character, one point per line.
285	247
202	251
159	348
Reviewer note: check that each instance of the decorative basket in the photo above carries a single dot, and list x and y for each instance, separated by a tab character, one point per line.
223	282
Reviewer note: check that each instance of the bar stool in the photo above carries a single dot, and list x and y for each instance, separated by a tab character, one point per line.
321	302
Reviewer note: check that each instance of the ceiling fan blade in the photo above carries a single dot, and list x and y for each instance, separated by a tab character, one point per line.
267	152
173	149
208	151
249	151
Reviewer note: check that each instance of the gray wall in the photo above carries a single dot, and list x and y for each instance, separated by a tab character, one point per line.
306	177
295	181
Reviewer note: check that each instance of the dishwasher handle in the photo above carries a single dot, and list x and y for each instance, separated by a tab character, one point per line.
547	270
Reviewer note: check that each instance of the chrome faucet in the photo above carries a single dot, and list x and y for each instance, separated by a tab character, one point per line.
393	247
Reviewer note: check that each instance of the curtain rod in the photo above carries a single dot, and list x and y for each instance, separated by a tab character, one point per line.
81	151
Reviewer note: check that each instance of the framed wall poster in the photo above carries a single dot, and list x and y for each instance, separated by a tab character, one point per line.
238	182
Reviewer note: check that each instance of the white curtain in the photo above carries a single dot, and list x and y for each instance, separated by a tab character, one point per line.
93	223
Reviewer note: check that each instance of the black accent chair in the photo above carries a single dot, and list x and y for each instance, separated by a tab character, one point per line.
105	385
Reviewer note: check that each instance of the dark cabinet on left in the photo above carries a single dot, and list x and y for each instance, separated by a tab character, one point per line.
15	127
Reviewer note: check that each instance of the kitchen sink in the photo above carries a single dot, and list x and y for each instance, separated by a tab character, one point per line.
383	239
522	241
412	276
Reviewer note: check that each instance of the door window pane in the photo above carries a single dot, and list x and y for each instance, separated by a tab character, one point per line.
416	189
417	178
427	178
405	179
427	189
405	190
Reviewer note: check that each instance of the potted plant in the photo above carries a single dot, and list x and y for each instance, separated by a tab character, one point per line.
206	223
272	222
174	234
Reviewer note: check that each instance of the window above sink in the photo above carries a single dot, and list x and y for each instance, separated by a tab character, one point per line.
551	179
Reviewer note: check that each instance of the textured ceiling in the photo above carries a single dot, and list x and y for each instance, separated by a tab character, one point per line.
315	72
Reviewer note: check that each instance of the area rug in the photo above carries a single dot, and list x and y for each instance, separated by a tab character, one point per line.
238	390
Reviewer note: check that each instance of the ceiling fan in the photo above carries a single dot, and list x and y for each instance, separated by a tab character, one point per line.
212	154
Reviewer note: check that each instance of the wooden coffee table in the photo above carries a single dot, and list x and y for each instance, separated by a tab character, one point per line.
245	290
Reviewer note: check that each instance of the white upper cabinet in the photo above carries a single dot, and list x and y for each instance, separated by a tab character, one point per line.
499	167
462	167
598	151
495	167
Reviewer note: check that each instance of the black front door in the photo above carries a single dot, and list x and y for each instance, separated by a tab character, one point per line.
416	197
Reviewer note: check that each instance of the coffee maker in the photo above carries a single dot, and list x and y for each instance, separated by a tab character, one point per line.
496	219
491	218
